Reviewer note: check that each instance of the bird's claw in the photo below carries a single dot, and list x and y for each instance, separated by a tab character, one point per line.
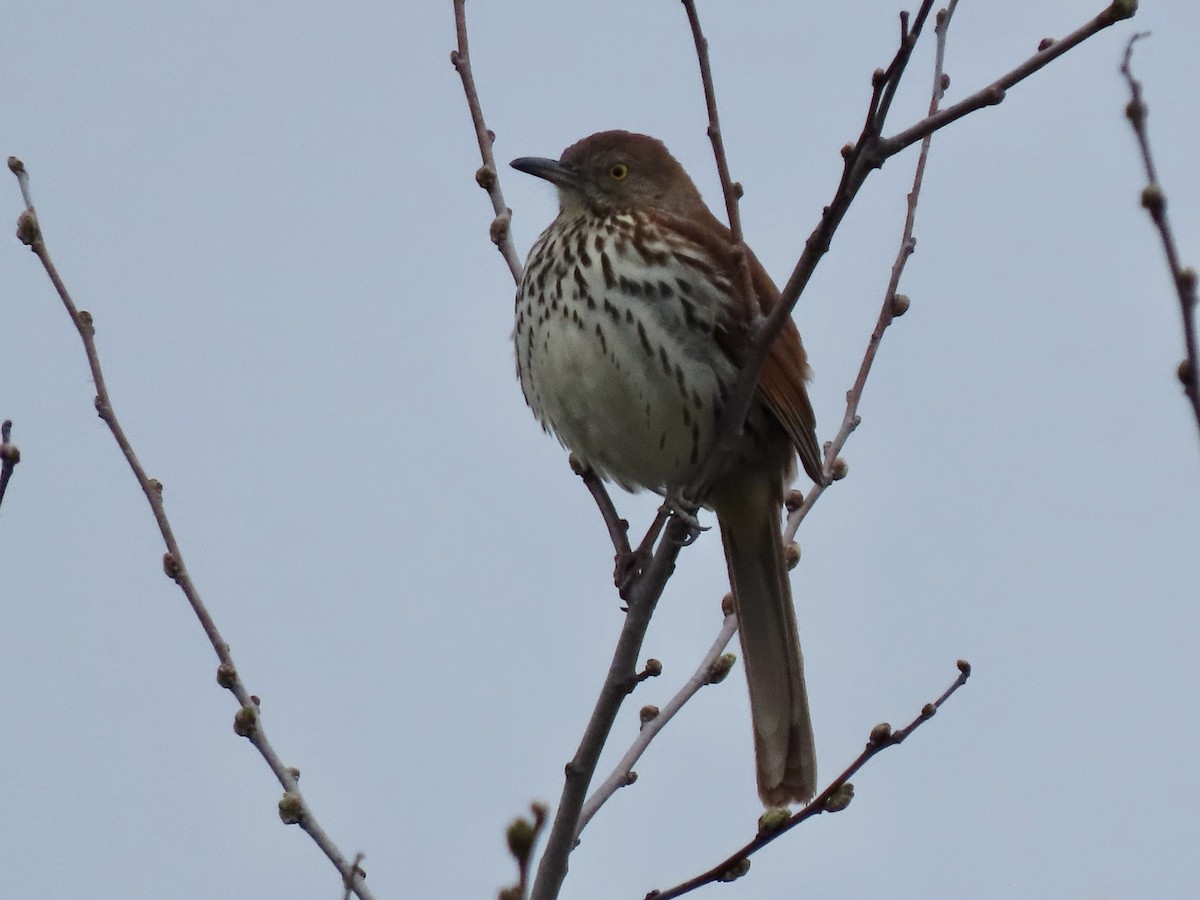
684	512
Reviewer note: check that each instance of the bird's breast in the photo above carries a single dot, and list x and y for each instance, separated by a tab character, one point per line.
615	323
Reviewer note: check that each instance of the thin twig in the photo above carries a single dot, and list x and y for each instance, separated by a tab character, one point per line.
730	189
891	307
621	678
487	176
1154	199
869	153
618	528
9	456
709	671
834	798
247	721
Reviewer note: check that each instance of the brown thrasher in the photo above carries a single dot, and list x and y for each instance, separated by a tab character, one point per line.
632	321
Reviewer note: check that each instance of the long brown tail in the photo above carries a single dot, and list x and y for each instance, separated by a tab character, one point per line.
783	736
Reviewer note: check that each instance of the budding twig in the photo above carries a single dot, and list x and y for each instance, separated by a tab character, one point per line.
247	720
890	308
703	675
1155	202
488	176
833	799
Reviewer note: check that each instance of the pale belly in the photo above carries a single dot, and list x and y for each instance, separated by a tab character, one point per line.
630	382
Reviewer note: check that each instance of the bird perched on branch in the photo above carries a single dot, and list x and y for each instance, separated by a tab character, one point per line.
633	320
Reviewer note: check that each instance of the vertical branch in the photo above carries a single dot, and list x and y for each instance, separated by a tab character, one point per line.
643	598
730	189
1154	199
487	175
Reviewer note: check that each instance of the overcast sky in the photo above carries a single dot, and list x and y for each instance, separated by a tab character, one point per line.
270	211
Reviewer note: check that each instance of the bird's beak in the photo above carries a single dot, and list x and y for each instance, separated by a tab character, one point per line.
550	169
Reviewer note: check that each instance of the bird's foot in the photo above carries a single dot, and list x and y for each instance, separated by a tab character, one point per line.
684	511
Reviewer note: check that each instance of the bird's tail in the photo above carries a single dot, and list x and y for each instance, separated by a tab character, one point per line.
783	736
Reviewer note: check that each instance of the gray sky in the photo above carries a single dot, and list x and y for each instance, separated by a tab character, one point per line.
270	211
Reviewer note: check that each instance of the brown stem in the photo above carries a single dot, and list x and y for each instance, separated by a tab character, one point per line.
488	176
248	721
1154	199
833	799
622	676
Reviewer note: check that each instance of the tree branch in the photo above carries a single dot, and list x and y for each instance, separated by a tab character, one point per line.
730	189
643	597
834	798
247	721
1154	199
712	669
487	176
834	468
870	152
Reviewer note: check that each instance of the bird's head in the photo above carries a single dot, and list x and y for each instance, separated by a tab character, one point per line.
617	171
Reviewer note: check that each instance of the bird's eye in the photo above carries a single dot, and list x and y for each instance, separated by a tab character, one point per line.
619	171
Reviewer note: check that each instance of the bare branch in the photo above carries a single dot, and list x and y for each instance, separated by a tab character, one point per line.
1154	199
730	189
618	528
621	678
869	153
834	798
995	92
487	176
893	304
710	671
247	721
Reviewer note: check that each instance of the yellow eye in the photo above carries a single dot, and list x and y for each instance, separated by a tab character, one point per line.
619	171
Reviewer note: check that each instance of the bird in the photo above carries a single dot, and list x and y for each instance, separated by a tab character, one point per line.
632	322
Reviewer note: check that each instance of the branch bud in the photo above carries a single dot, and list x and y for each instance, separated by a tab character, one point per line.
28	232
840	798
245	720
736	871
1186	374
226	675
498	230
291	808
720	668
520	836
1123	9
1187	279
839	469
773	819
791	554
900	305
648	713
171	566
1154	199
881	733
